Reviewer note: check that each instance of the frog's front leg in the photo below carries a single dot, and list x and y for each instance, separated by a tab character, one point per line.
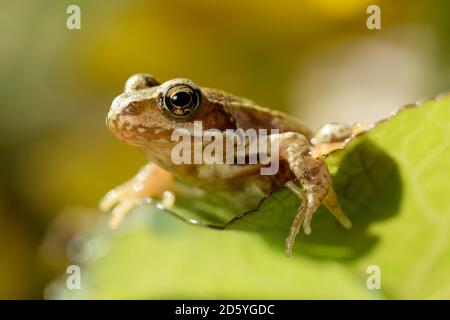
150	182
315	183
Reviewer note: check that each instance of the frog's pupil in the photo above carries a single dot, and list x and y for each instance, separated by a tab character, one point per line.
181	99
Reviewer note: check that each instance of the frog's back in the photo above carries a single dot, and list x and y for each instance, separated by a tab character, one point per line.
247	114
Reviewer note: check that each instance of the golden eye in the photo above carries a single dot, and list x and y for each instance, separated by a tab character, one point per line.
182	100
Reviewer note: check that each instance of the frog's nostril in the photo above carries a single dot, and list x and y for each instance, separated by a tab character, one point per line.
133	108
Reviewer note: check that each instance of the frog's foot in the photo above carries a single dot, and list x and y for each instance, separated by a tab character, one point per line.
151	182
333	136
316	186
304	214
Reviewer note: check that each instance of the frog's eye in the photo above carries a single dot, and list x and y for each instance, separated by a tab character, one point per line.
182	100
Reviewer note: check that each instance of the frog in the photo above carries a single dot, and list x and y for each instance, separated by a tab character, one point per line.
148	111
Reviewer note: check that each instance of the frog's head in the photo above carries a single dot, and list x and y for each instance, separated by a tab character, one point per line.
148	110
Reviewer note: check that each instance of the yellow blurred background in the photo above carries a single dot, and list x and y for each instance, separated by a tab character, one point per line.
314	59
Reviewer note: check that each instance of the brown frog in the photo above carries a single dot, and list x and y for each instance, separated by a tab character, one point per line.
148	112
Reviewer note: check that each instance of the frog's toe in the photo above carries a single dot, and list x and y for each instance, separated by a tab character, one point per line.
121	210
120	200
168	199
109	200
307	225
333	205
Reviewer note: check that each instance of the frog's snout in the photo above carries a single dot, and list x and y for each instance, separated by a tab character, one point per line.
121	113
125	118
113	116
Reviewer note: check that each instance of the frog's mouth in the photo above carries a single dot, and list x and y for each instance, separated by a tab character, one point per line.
135	134
127	132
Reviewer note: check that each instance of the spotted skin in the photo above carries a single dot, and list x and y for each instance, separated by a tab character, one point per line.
147	112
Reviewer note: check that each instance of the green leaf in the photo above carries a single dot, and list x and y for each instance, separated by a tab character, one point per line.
392	182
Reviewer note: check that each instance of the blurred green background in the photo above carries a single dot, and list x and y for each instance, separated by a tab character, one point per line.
314	59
